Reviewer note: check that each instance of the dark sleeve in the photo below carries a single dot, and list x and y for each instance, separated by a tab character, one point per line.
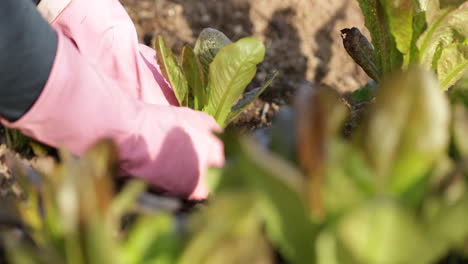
27	51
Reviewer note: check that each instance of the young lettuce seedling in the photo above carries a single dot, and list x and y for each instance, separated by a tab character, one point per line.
213	76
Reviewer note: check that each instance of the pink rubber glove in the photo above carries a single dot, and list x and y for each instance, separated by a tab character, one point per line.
114	89
104	34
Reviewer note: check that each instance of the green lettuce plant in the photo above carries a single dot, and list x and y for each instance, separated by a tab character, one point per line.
394	192
212	77
72	213
429	33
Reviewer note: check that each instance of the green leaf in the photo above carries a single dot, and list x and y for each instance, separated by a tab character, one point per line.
152	239
127	199
16	140
382	232
249	97
39	149
281	190
327	248
447	227
347	174
208	45
399	14
406	131
231	71
387	56
459	92
362	52
447	29
453	64
460	129
194	74
419	25
172	71
366	93
236	235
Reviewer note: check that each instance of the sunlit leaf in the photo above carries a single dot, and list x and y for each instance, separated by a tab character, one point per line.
195	78
447	30
172	71
399	15
453	64
231	71
382	232
327	248
407	130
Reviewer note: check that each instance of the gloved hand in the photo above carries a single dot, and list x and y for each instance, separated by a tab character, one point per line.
105	85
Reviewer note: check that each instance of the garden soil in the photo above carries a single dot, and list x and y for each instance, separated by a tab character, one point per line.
303	40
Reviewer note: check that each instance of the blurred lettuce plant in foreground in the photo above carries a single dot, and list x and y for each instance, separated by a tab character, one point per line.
71	214
393	192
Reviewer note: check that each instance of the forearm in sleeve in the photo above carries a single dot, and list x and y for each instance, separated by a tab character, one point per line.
27	50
